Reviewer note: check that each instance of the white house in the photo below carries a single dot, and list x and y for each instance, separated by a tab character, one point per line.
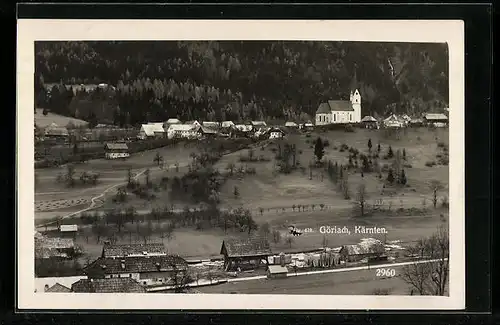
227	124
151	130
116	150
394	121
186	131
275	133
291	124
436	119
244	127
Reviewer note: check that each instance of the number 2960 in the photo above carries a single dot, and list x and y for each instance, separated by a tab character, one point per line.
385	272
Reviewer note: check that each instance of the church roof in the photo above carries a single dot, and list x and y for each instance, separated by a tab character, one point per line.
340	105
323	108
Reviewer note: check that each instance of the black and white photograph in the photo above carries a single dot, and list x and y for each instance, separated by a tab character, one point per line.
213	167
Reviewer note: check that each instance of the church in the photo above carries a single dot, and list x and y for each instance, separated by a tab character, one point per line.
341	111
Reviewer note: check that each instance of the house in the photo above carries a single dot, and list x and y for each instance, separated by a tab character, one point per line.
416	122
57	288
240	252
436	119
308	126
244	127
213	125
291	124
194	123
114	285
394	121
131	250
151	131
116	150
185	131
227	124
257	124
147	270
369	122
369	248
277	272
68	229
275	133
54	247
206	132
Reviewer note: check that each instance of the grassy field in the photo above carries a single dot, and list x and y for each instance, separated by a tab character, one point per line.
45	120
271	196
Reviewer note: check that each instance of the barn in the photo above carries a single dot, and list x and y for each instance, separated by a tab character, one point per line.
116	150
245	253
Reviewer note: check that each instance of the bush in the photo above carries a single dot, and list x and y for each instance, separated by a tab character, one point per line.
441	145
430	164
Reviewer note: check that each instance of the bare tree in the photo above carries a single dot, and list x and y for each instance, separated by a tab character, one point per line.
430	278
265	229
158	159
276	236
361	199
180	278
436	186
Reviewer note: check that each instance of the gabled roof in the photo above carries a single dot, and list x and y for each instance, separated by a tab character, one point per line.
207	130
56	130
226	124
210	124
151	129
393	117
435	116
113	285
340	105
193	122
240	247
173	121
135	264
275	129
58	288
258	123
323	108
290	123
115	250
116	146
180	127
368	119
47	247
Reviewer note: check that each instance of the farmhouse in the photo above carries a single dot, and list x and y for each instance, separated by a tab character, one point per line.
227	124
116	150
115	285
369	122
131	250
370	249
394	121
206	132
291	124
275	133
416	122
68	230
244	127
277	271
147	270
151	131
436	119
247	252
186	131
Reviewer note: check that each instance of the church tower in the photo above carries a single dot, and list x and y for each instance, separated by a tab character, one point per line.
355	98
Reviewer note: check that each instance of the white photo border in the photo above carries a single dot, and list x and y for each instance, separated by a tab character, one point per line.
442	31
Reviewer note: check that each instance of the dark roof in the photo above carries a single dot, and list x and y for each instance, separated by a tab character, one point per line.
107	285
340	105
57	131
58	288
207	130
323	108
135	264
116	146
133	249
239	247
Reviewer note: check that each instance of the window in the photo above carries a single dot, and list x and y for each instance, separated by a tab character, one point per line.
350	117
334	117
130	275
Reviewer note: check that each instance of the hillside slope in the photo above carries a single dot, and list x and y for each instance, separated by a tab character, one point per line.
42	121
243	80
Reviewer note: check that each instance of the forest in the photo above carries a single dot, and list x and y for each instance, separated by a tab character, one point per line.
235	80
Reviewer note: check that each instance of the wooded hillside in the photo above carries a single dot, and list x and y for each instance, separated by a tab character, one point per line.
236	80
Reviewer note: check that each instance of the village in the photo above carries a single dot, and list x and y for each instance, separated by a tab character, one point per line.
150	266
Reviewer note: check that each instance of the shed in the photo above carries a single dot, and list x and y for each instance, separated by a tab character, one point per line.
239	251
369	248
68	228
116	150
277	271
